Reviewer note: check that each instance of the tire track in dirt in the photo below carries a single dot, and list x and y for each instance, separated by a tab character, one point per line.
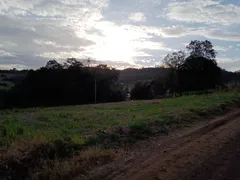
177	158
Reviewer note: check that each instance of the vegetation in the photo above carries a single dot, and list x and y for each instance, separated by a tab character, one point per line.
40	141
132	76
73	121
64	142
142	91
196	72
65	84
72	82
3	93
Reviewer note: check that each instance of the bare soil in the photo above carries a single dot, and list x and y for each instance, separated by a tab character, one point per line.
207	150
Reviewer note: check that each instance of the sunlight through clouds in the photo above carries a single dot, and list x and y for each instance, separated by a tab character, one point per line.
136	32
122	43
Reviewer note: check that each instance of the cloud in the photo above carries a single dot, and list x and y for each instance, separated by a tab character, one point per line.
170	32
50	8
141	54
137	17
32	30
147	44
29	38
51	45
11	66
221	48
121	42
232	64
222	60
129	44
204	11
6	54
181	31
68	28
221	35
7	44
60	55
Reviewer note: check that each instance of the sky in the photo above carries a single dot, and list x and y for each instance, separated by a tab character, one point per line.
120	33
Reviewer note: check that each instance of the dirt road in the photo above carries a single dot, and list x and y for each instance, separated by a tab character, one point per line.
208	151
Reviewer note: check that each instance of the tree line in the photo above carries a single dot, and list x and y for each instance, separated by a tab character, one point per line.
193	70
72	82
66	84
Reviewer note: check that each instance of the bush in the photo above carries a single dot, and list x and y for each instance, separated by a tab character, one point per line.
142	91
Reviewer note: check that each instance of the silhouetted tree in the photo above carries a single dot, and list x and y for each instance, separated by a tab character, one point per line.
159	87
202	49
102	66
199	73
53	64
73	84
175	60
72	63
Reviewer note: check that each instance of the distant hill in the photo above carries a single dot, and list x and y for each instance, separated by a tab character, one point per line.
9	78
229	77
131	76
127	76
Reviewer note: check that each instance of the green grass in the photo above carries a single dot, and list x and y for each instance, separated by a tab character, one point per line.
4	88
76	122
71	140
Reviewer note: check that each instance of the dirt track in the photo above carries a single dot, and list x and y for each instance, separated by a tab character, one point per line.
207	151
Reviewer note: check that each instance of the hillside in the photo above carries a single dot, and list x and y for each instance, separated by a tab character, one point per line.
10	78
70	141
131	76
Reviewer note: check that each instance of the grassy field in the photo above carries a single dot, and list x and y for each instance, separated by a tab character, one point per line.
65	142
76	122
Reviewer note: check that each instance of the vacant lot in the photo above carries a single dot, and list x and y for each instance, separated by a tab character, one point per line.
77	138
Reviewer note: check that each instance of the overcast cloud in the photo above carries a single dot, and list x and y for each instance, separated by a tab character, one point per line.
126	33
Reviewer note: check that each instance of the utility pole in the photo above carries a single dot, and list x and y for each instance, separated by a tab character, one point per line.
95	91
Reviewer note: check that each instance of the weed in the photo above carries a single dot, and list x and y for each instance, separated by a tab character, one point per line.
38	162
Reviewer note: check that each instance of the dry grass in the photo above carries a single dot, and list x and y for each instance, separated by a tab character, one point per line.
36	161
76	166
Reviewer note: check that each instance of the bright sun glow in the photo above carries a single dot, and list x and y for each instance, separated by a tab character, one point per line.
120	43
116	45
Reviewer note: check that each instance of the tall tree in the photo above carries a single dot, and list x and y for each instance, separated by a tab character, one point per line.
202	49
175	59
73	63
199	73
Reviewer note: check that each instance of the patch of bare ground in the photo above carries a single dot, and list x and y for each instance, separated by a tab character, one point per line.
189	153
